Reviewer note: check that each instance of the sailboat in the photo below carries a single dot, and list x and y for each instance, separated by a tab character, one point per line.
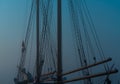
47	59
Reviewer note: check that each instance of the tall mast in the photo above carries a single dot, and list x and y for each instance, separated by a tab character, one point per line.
37	41
59	44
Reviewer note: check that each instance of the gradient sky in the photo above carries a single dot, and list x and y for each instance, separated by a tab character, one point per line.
13	22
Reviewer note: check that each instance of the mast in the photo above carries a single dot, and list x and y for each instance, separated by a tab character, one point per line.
37	41
59	44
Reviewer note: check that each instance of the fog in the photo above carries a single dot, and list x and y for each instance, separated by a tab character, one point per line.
13	22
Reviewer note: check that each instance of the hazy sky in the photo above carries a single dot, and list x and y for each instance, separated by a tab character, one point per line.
13	22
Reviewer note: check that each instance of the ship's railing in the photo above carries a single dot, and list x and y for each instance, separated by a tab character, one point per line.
83	68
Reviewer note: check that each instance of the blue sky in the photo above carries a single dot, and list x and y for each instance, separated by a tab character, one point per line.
13	22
